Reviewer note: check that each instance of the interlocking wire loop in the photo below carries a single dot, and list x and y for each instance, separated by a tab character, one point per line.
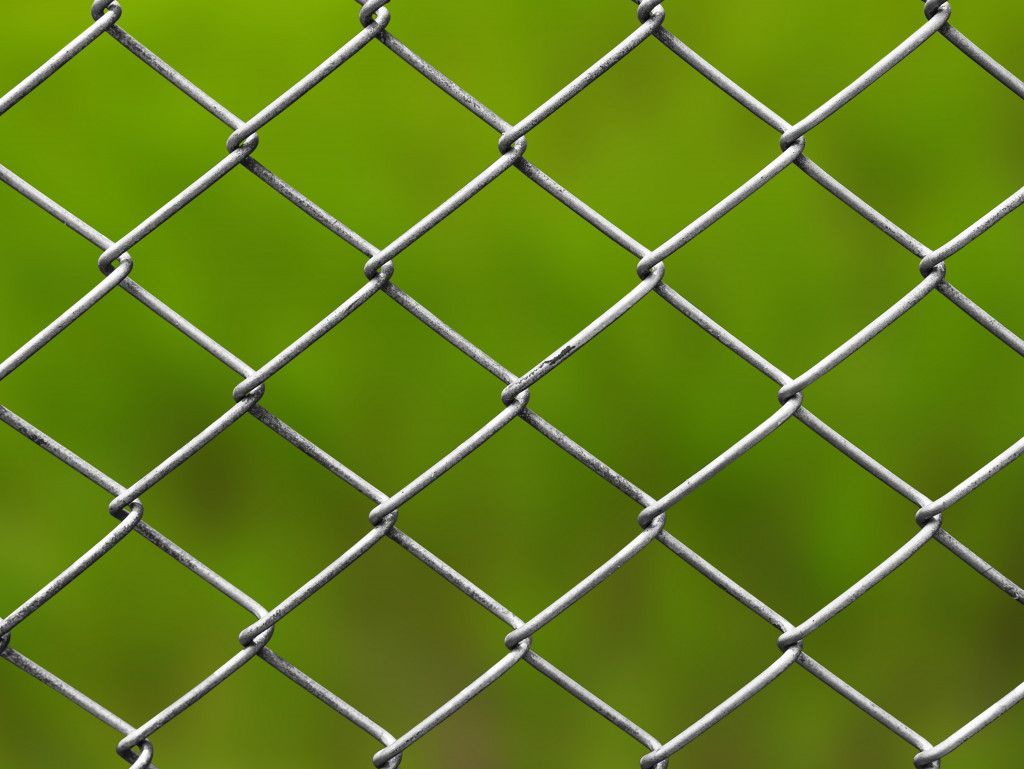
116	265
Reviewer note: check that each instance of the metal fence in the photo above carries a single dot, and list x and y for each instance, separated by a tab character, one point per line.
116	266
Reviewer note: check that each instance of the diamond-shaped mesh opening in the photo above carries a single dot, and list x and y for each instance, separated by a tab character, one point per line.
858	401
969	622
261	717
818	722
69	516
43	247
257	61
237	524
986	521
177	390
524	718
314	146
490	67
844	283
630	132
421	392
691	399
524	253
841	46
937	103
854	521
659	633
107	138
270	272
24	728
463	515
166	602
397	652
983	272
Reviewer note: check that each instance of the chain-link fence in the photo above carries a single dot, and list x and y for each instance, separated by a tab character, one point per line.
116	266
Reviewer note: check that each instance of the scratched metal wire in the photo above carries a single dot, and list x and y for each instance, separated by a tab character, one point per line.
115	265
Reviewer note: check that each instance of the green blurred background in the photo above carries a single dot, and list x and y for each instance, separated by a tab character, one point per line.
651	145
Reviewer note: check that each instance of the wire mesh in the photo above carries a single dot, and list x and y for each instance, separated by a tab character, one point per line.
116	266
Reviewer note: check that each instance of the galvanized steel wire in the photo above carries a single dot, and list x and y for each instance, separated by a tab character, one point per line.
115	264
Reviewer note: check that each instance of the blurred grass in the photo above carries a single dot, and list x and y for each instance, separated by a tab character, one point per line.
651	145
